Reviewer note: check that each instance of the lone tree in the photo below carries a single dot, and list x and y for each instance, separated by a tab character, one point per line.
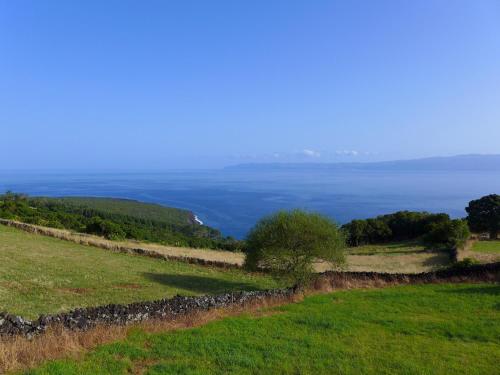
288	243
484	215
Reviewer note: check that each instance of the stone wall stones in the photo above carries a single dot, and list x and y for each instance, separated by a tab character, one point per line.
85	318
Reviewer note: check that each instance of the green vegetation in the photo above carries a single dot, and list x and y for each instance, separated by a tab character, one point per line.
128	207
484	215
492	247
115	219
427	329
288	243
437	230
448	233
463	264
399	226
44	275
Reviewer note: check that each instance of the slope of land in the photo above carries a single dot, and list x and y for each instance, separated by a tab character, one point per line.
396	258
115	219
424	329
128	207
39	274
191	255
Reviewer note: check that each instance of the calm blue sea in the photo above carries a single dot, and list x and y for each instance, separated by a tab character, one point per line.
233	200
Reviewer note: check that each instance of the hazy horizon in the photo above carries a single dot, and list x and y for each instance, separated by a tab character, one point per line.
258	163
158	86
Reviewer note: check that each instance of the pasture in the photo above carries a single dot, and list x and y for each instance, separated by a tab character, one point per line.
395	257
40	275
425	329
491	247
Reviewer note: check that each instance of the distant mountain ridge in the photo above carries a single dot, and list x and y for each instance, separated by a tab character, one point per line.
444	163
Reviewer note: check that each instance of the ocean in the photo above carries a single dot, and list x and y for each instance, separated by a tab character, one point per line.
232	200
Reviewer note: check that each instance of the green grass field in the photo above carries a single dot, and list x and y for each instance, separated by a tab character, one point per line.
40	275
128	207
427	329
396	248
492	247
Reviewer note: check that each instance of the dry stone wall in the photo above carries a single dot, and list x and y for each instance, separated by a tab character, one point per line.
85	318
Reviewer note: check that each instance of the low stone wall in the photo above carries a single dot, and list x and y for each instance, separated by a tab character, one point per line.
90	240
85	318
476	273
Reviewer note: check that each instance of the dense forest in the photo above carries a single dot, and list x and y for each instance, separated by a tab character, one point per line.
115	219
434	229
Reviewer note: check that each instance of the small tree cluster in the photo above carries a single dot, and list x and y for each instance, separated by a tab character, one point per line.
450	234
105	228
399	226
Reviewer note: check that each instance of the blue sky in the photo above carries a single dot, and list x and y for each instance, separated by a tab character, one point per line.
199	84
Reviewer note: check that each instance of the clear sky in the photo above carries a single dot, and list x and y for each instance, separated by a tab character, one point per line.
196	84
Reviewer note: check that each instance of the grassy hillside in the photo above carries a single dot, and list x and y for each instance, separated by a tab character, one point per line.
45	275
427	329
128	207
116	220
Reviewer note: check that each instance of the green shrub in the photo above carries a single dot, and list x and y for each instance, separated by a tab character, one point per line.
288	243
450	234
464	263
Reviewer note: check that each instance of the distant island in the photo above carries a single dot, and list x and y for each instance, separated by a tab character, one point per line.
446	163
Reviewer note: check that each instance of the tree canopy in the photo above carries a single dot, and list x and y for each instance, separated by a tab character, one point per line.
398	226
484	214
288	243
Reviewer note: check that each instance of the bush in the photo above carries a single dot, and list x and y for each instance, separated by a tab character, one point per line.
463	264
105	228
450	234
288	243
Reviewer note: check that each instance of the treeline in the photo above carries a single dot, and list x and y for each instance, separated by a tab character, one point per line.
67	215
434	229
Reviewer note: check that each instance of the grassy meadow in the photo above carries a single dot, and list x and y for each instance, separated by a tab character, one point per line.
40	275
426	329
395	257
492	247
395	248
